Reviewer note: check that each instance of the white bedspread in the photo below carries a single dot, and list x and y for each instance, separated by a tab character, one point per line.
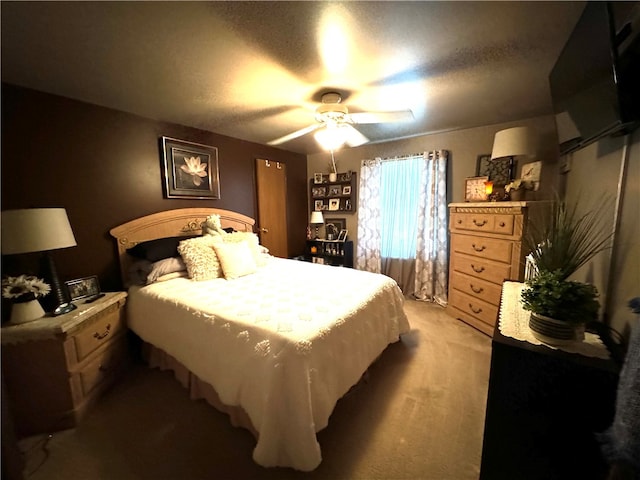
284	343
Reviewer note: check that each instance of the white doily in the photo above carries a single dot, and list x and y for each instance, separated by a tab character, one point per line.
514	323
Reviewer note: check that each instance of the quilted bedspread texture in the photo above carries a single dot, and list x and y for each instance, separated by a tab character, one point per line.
284	343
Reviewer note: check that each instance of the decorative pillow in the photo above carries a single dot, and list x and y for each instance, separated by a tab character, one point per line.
164	267
200	257
236	259
154	250
137	273
170	276
252	240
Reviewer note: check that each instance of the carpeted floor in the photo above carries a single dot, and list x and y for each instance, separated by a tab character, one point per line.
417	414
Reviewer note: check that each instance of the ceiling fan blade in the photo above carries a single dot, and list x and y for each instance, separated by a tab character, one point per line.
296	134
354	137
381	117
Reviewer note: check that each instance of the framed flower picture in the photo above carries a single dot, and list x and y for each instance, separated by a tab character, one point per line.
190	170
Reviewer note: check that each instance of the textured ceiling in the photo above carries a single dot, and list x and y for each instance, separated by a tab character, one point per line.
256	70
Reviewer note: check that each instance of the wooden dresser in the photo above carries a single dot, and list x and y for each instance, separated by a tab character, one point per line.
485	249
54	368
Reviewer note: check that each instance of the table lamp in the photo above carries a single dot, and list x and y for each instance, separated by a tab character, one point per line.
513	142
316	219
41	230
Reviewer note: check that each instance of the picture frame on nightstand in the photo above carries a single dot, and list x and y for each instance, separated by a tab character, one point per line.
83	287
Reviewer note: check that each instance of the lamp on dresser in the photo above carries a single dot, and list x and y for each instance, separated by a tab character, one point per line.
513	142
41	230
316	219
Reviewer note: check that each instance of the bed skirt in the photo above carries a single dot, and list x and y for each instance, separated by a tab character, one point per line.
198	389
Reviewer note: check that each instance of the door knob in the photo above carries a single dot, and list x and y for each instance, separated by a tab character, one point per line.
264	230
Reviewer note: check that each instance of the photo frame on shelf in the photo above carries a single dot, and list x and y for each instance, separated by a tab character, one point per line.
83	287
319	191
346	190
500	170
342	236
190	170
334	191
338	224
334	204
317	178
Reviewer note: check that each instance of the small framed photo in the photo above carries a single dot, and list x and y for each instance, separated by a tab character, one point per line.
346	190
83	287
190	170
319	191
319	260
318	205
334	204
335	225
342	236
317	178
334	191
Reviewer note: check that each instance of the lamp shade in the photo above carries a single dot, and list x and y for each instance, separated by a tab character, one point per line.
316	218
513	142
35	230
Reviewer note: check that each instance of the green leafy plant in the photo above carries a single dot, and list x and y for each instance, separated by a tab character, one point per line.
562	239
550	295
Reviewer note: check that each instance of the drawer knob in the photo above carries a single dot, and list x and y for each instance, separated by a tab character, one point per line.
100	336
479	269
478	249
476	289
475	310
459	222
479	224
502	224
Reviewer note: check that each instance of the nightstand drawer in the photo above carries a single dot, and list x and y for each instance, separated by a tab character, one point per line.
491	248
481	268
480	309
105	365
99	332
476	287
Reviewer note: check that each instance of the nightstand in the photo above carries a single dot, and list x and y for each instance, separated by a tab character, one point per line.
55	368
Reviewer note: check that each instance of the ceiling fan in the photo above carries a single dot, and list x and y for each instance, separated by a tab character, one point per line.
333	125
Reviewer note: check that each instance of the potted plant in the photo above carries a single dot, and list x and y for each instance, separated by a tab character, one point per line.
561	242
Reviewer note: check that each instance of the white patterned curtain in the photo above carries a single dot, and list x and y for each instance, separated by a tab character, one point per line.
368	255
425	273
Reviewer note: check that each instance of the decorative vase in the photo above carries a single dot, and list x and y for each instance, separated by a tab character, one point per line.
555	332
333	177
26	310
517	194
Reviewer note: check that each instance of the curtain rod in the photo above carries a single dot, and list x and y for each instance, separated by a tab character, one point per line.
402	157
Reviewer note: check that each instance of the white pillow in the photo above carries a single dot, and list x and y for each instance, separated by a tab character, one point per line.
252	240
236	259
200	257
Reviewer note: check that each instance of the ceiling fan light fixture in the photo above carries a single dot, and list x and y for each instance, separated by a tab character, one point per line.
332	137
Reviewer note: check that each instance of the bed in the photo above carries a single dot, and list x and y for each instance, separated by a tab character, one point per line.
275	348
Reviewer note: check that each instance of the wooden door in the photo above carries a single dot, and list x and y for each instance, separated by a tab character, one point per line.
271	184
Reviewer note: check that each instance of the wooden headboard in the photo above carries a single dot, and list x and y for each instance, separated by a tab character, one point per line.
171	223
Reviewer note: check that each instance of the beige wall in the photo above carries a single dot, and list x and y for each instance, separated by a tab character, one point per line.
464	146
595	172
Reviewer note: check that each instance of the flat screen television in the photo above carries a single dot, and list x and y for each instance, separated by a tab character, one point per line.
595	83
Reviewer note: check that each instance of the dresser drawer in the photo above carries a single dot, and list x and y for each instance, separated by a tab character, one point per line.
476	287
481	268
475	307
99	332
491	248
483	222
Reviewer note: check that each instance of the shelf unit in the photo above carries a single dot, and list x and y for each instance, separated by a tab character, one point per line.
330	252
338	196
